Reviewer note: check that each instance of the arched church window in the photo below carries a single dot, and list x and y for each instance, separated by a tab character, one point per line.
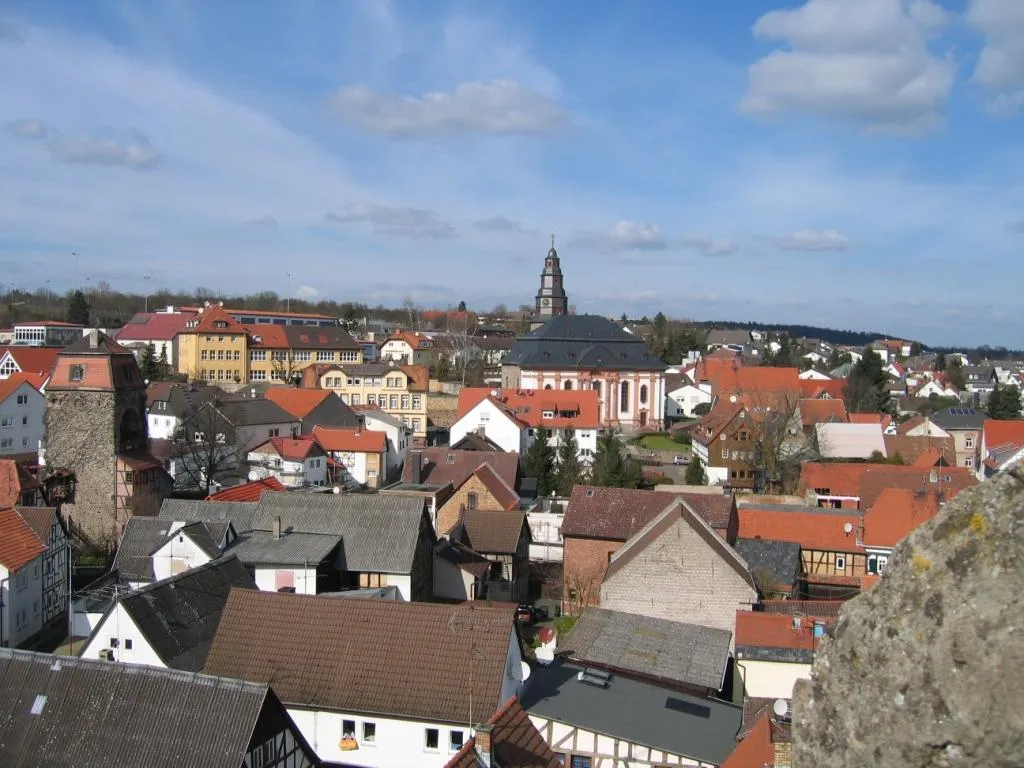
624	396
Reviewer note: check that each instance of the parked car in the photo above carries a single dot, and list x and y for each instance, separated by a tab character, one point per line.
679	460
526	614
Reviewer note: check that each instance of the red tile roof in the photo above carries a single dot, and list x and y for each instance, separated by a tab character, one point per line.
18	542
502	492
618	513
156	326
250	491
291	448
817	387
822	411
270	336
335	439
883	419
210	318
911	449
443	465
527	406
414	339
896	513
15	381
998	433
33	359
419	377
773	630
867	481
515	742
811	528
756	750
714	422
297	402
14	481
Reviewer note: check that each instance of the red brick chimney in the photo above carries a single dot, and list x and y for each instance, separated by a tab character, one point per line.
482	740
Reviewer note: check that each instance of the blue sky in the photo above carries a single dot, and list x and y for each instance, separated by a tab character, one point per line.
851	163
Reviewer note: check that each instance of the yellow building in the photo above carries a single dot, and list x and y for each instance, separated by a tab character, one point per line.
400	390
216	348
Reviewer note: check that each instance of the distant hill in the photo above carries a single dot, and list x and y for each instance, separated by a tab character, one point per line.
795	331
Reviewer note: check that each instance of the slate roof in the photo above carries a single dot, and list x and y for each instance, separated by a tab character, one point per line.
104	346
250	411
178	616
175	718
684	653
493	533
779	559
292	548
142	536
474	442
957	418
582	342
515	743
618	513
727	336
631	710
444	465
421	661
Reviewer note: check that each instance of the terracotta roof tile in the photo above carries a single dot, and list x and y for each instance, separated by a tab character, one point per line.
717	419
896	513
156	326
15	381
14	481
18	542
406	660
214	319
443	465
998	433
40	520
490	532
333	439
297	402
250	491
618	513
291	448
515	742
502	492
33	359
419	377
528	405
866	481
912	448
270	336
810	527
822	411
756	750
817	387
757	629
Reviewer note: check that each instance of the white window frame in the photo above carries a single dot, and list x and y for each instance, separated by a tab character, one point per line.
840	562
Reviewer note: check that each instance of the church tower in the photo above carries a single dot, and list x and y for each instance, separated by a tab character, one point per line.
551	298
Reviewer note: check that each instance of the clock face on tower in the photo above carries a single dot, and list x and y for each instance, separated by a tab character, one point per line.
546	302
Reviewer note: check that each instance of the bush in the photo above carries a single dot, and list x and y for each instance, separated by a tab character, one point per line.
565	623
681	437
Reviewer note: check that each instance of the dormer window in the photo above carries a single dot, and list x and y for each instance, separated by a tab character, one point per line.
547	414
220	324
77	372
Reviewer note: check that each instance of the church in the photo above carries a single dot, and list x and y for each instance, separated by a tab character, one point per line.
569	351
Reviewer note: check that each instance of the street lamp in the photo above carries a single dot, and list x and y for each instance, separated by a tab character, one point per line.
74	255
288	298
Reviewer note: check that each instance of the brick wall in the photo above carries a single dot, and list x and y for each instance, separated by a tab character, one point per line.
583	569
679	577
448	514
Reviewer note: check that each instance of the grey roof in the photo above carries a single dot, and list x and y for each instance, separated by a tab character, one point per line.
292	548
88	709
331	412
378	531
766	653
683	653
779	559
144	535
628	709
179	616
724	336
249	411
959	418
582	341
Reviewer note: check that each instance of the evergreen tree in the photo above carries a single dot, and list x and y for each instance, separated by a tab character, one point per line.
695	474
163	367
442	368
866	386
78	309
568	471
1004	403
955	374
148	364
612	467
940	361
539	462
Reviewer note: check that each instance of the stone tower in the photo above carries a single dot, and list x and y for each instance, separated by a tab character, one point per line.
95	421
551	298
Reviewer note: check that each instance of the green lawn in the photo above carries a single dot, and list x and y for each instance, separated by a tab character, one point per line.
662	443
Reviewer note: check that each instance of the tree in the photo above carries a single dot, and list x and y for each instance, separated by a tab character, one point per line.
283	368
866	386
940	361
539	462
955	375
206	444
462	306
442	369
78	309
613	468
695	474
779	445
569	471
915	349
1004	403
148	365
162	365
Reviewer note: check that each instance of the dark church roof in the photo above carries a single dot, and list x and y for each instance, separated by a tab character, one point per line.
582	341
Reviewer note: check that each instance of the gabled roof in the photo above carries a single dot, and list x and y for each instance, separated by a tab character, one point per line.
671	650
515	743
821	411
142	536
773	637
896	513
388	658
921	450
527	406
502	492
175	718
677	510
472	441
179	616
715	421
41	520
14	481
867	481
155	327
818	388
999	433
443	465
297	402
95	343
289	448
214	320
757	748
618	513
779	560
490	532
811	527
250	491
15	381
251	411
18	542
38	360
350	440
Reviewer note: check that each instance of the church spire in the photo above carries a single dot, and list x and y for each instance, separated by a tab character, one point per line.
551	298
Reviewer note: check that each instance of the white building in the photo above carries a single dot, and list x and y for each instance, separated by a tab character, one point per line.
681	399
510	418
545	519
296	462
22	408
354	455
414	710
774	650
21	580
399	435
47	333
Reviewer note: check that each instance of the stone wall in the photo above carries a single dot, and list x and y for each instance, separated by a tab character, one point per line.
927	668
449	513
585	561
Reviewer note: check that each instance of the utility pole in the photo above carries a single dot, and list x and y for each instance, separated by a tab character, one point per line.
74	254
288	298
145	279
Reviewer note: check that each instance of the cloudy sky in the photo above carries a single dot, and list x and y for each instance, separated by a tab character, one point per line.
852	163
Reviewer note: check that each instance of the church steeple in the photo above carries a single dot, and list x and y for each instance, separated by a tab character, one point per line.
551	298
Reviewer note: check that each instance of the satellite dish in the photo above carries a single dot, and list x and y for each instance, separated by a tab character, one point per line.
526	670
254	475
732	398
544	656
847	527
335	489
780	707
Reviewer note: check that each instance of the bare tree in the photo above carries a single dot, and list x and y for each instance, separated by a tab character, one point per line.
283	367
582	590
206	447
779	445
414	312
499	311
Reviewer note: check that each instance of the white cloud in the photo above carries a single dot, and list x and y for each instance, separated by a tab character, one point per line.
262	222
498	106
388	220
499	224
809	240
1000	67
633	236
709	246
138	154
866	61
306	292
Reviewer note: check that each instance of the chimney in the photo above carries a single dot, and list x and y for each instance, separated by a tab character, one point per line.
482	740
416	461
94	339
277	527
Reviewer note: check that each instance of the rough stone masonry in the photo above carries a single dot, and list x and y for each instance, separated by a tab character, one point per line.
927	668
